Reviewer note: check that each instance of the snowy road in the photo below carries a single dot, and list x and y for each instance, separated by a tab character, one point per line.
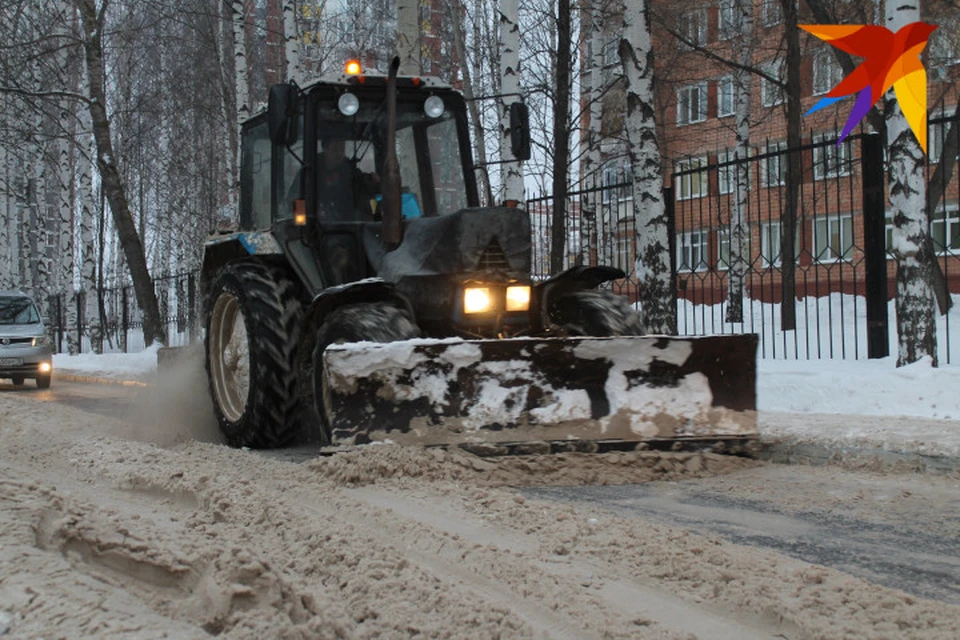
901	531
137	526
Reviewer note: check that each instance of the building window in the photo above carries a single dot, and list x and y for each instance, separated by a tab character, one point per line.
624	259
727	178
770	244
726	97
945	229
692	250
617	182
832	238
728	19
942	50
826	72
692	27
772	93
831	160
691	178
611	55
773	167
772	12
723	248
692	103
937	134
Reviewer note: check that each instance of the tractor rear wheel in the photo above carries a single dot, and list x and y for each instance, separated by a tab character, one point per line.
363	322
253	329
596	313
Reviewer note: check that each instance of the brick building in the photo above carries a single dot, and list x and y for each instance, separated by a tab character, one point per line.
696	95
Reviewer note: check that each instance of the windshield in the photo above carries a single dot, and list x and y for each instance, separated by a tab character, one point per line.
18	310
351	152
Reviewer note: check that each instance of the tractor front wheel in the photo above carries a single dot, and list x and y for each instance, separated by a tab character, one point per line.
253	329
363	322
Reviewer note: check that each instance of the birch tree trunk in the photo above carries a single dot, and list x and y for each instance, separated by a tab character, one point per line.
9	215
915	303
561	140
113	186
653	266
242	93
291	42
788	219
408	37
512	171
739	230
88	244
66	168
455	9
594	215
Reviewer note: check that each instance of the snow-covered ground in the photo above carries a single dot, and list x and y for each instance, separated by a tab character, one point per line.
911	409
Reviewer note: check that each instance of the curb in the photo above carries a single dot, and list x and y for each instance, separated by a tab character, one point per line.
70	377
816	454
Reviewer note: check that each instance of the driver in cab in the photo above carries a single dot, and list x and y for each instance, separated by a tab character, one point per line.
344	192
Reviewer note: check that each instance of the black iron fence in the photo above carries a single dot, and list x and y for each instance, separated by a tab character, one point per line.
839	277
108	319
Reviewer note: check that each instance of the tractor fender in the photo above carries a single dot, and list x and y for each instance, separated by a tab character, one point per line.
367	290
224	248
578	278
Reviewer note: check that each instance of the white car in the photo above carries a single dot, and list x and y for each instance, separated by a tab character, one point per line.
24	346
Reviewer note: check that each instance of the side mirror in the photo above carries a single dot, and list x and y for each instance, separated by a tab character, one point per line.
520	131
282	114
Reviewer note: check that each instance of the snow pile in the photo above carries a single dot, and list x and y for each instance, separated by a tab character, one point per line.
109	365
864	387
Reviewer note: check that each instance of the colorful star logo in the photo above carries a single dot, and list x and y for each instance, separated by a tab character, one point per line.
890	60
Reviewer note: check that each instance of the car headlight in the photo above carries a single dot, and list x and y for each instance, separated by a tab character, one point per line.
39	341
518	298
477	300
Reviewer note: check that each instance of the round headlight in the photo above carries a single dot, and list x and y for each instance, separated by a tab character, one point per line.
348	104
434	107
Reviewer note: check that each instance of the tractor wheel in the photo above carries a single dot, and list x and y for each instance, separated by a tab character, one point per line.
364	322
17	381
43	381
596	313
253	329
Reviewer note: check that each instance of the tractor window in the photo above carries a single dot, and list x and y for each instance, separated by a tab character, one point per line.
446	166
288	186
255	178
428	151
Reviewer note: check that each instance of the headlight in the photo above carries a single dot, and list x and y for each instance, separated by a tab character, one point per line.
39	341
46	367
434	107
477	300
348	104
518	298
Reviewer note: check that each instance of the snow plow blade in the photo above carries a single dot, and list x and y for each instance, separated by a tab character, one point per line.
655	389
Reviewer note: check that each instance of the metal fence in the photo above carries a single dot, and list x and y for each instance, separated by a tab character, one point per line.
108	319
841	278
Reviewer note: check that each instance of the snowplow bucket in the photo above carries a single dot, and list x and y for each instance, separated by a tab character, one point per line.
461	392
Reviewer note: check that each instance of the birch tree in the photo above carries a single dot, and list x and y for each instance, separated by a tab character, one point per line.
739	231
510	88
408	37
241	92
596	221
93	19
455	11
652	264
915	302
291	42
